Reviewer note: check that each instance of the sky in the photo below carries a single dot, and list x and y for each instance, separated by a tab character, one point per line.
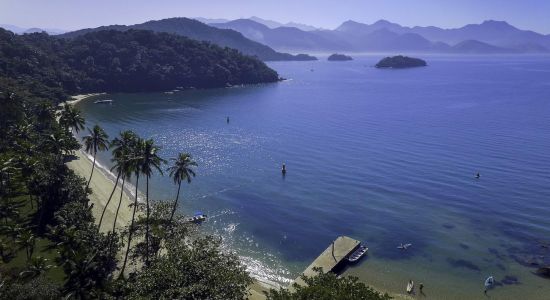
76	14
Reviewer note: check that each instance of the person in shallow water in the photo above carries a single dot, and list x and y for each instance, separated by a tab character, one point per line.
283	169
227	120
478	175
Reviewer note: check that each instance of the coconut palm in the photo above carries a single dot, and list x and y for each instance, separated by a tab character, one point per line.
45	114
36	267
57	143
96	141
27	239
70	118
126	170
121	151
7	169
134	164
180	171
149	163
5	249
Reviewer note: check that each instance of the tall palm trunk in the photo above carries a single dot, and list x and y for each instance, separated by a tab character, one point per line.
93	167
131	231
147	223
175	203
108	201
119	202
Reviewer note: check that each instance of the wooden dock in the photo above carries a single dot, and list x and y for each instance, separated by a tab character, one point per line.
332	257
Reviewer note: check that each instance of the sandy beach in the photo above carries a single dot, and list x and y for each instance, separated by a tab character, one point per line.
102	187
77	98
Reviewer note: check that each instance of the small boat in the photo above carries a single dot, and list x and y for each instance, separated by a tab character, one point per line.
198	218
489	282
410	286
358	253
404	246
543	271
106	101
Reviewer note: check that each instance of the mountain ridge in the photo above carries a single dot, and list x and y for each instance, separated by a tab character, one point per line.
199	31
353	36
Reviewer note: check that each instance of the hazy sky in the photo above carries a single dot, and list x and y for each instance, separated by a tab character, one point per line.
74	14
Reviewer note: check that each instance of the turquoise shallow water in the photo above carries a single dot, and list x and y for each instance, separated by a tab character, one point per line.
384	156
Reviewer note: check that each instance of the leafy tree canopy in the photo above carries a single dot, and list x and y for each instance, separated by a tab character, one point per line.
129	61
327	286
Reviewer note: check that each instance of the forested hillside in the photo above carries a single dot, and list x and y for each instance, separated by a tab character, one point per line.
198	31
129	61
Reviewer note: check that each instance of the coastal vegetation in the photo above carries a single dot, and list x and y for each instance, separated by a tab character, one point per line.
327	286
400	62
116	61
50	240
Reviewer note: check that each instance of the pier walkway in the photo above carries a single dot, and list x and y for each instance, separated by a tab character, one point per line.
332	257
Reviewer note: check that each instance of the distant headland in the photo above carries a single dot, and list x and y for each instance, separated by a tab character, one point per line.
401	62
339	57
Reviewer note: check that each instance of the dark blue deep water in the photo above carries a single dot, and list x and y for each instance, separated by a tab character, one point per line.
383	156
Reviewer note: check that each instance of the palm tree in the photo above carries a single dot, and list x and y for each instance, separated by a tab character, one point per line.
149	163
134	164
96	141
27	239
128	140
37	266
120	152
126	170
70	118
5	249
44	113
57	144
180	171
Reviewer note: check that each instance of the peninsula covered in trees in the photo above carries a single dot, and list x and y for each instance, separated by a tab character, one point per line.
123	61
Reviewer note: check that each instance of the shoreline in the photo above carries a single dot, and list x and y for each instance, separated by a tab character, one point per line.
102	186
78	98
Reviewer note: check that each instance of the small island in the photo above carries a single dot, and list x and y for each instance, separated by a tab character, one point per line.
401	62
304	57
339	57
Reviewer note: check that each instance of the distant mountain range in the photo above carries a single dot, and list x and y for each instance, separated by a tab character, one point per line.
351	36
267	39
269	23
199	31
20	30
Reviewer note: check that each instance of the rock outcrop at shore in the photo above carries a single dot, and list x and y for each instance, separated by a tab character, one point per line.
339	57
400	62
544	272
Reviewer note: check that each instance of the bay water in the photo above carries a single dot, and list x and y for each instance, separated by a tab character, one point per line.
382	156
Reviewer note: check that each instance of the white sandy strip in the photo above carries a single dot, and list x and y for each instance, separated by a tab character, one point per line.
77	98
102	186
